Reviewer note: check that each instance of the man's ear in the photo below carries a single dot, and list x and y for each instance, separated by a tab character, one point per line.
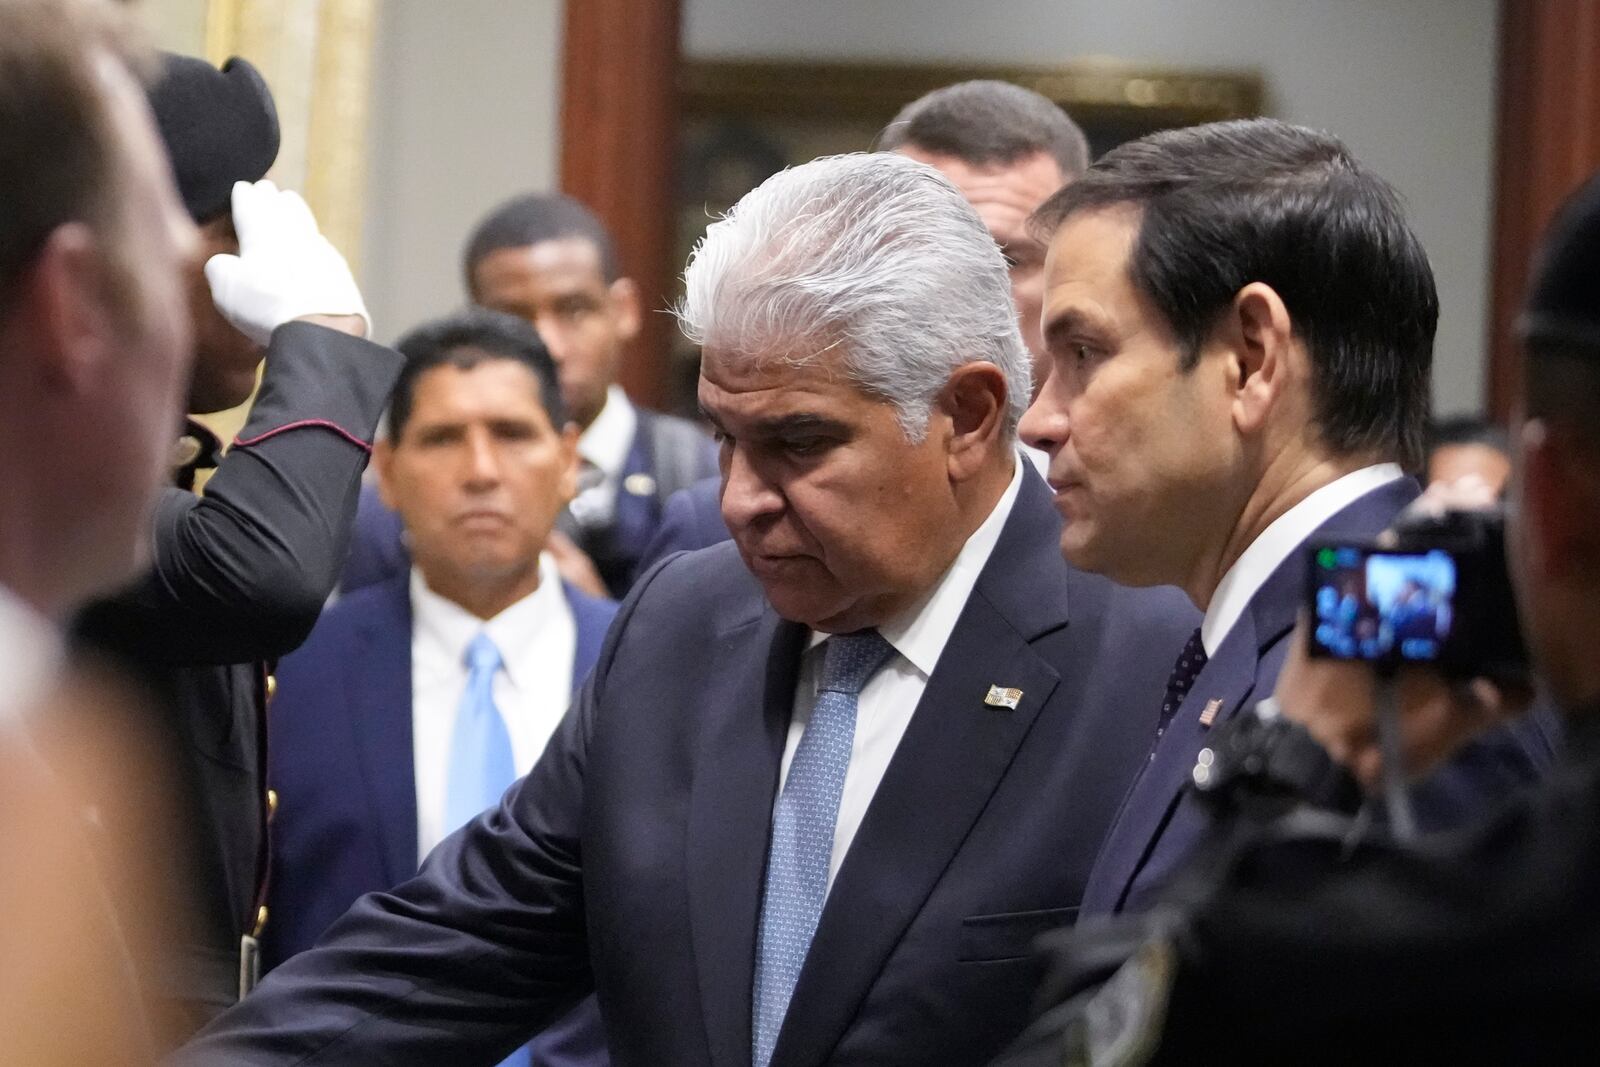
1259	333
66	307
568	481
974	403
625	307
383	467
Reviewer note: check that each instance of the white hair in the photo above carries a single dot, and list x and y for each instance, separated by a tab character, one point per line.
873	253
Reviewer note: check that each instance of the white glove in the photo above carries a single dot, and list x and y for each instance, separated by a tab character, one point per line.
285	268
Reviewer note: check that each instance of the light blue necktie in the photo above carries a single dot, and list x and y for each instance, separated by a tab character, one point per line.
482	766
802	831
481	763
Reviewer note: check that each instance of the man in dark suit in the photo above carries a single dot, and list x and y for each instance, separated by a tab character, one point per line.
548	259
1240	324
478	460
829	781
1483	947
241	573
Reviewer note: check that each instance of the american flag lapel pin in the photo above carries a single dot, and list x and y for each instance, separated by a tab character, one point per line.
1001	697
1208	714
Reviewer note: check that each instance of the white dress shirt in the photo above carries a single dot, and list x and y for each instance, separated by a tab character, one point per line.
30	657
605	445
886	703
536	637
1286	533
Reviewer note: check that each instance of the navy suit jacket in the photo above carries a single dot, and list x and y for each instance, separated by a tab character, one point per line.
1162	822
692	519
631	858
341	762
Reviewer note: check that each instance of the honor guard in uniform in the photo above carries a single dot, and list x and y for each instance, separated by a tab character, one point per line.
241	573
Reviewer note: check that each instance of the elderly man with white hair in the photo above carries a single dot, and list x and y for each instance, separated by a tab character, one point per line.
827	782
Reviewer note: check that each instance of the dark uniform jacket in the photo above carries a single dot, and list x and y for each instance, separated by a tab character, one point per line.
240	575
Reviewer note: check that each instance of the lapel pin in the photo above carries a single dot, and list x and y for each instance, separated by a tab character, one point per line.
1208	714
639	484
1002	698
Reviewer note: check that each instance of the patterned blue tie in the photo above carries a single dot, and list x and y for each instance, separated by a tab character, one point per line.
802	830
481	762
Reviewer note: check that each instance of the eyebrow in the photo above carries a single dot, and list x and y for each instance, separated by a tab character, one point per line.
799	423
1067	322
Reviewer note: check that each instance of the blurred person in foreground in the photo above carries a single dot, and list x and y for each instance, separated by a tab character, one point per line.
442	685
1481	946
828	782
94	355
1006	149
1469	446
240	573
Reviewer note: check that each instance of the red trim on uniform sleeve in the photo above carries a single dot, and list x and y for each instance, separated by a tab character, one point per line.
302	424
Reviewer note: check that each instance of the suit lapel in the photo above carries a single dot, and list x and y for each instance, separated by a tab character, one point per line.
1228	678
953	756
730	815
380	699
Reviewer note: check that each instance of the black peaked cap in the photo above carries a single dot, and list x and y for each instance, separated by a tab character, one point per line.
1564	299
220	127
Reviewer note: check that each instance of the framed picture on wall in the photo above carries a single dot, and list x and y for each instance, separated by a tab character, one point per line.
743	120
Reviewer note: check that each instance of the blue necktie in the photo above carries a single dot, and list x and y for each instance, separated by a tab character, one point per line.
1191	661
802	831
482	766
481	763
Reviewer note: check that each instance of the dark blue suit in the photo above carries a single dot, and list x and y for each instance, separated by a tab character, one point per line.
691	519
1161	821
341	761
631	858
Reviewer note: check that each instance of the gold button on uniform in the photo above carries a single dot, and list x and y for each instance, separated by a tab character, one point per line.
272	803
272	686
261	921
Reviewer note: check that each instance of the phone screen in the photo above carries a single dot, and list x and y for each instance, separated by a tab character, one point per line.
1375	604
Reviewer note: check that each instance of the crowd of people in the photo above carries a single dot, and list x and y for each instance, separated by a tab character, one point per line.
953	690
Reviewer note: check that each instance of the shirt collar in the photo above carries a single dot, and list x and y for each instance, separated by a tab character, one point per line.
921	631
451	627
609	437
1286	533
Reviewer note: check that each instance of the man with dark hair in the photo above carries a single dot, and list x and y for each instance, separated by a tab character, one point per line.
549	260
1006	149
241	573
1240	323
478	458
1483	947
1469	446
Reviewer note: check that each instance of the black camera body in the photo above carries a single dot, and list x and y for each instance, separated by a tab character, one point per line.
1440	594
